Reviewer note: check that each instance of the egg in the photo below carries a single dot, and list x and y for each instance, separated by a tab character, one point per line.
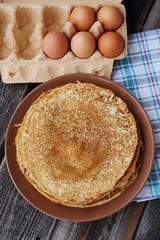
111	44
82	17
110	17
83	44
55	45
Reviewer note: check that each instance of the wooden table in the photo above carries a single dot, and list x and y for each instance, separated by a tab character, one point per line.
19	220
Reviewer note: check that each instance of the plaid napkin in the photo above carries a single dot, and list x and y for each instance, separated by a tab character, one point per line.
139	72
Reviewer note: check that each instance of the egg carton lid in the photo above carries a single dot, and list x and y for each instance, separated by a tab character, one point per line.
22	71
60	1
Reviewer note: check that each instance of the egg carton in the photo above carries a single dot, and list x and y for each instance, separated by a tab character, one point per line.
22	28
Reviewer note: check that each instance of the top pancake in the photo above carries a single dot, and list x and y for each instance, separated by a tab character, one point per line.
76	142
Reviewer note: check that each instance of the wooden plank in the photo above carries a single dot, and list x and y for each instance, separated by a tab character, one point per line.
10	96
126	222
90	230
149	225
153	18
18	219
137	12
102	229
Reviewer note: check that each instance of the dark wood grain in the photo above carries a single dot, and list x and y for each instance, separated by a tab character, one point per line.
86	231
10	96
18	219
149	225
153	18
126	222
137	13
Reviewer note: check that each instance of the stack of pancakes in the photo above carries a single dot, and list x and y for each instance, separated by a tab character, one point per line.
78	145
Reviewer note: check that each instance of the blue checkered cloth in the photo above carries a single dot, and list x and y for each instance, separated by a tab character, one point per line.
139	72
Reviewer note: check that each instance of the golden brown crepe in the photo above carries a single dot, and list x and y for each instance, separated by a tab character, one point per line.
78	145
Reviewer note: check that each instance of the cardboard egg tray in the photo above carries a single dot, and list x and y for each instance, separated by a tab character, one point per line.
22	27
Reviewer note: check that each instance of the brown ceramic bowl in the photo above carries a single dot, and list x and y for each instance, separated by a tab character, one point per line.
69	213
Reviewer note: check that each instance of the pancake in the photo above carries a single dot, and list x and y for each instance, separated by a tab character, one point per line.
127	179
75	144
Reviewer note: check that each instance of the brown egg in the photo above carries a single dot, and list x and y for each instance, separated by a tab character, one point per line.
55	45
111	44
110	17
82	18
83	44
